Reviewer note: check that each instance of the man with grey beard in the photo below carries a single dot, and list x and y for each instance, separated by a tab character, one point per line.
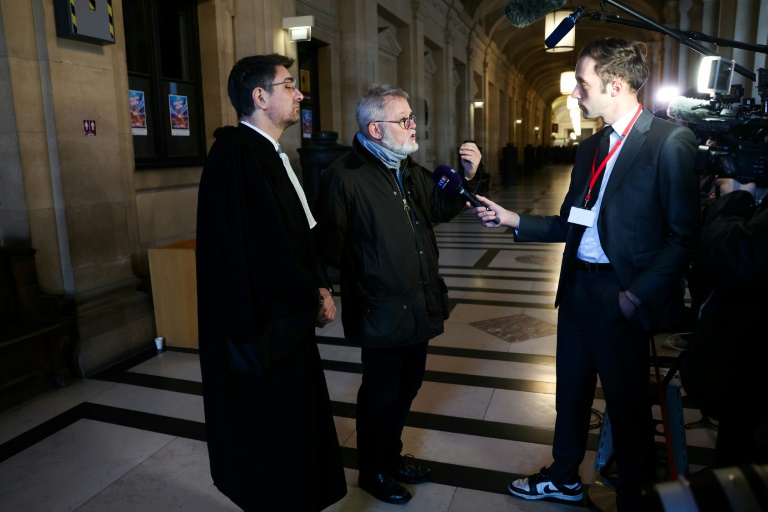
376	211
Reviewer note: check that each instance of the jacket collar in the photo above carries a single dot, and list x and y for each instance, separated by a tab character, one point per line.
369	158
629	152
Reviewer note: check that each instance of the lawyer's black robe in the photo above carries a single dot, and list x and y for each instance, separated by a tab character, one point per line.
271	439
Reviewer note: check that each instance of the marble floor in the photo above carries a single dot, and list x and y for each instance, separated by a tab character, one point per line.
132	438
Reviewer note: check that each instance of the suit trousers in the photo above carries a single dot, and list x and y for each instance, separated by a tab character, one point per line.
595	339
391	379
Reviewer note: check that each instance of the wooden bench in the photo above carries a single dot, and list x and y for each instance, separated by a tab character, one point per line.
37	331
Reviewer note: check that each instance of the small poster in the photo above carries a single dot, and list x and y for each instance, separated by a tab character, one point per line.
138	112
306	124
89	127
179	111
304	83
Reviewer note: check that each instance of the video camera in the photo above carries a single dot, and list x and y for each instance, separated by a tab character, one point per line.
732	131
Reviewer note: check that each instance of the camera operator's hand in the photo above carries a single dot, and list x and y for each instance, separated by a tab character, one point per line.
728	185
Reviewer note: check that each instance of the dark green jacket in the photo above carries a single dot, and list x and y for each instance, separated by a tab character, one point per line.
392	294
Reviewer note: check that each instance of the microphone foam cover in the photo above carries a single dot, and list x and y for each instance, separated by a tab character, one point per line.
684	109
522	13
446	178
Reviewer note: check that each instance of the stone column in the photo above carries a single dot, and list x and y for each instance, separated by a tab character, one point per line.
761	59
413	76
442	113
471	89
708	20
80	199
745	31
654	60
671	16
685	79
14	218
359	68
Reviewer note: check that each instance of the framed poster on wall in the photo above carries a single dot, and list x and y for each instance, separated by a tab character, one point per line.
179	112
306	124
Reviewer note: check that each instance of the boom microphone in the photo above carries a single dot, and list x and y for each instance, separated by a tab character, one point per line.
688	109
449	180
564	27
522	13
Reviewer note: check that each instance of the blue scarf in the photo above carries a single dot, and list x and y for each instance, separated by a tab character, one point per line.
388	157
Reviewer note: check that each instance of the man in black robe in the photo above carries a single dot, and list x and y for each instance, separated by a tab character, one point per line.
261	291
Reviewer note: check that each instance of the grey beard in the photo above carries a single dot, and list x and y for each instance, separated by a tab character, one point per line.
406	148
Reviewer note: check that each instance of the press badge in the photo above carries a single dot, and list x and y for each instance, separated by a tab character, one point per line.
582	216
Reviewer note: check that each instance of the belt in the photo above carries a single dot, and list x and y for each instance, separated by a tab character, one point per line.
587	266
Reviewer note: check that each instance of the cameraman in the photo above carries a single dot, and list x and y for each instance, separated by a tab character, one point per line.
728	355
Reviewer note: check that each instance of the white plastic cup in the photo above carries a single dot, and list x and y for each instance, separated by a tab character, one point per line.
159	342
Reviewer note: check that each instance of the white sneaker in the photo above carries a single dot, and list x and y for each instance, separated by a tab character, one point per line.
677	341
539	486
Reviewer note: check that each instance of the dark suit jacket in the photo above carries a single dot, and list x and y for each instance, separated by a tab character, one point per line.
648	221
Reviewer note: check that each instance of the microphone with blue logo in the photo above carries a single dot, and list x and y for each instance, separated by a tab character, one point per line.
564	27
449	181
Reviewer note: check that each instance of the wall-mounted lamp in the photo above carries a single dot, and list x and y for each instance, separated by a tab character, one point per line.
552	21
518	121
478	104
299	27
571	103
567	82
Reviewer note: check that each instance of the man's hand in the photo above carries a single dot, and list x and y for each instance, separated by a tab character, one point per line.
728	185
628	302
470	159
506	217
327	309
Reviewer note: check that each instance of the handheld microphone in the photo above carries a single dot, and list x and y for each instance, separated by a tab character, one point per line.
449	180
522	13
564	27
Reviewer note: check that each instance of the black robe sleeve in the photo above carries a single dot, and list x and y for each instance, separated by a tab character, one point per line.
256	267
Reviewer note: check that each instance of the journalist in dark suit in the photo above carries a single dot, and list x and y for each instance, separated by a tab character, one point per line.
628	241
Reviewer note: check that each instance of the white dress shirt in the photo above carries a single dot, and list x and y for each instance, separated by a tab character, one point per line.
590	248
291	175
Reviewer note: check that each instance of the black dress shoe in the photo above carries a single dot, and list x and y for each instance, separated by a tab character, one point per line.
383	487
410	473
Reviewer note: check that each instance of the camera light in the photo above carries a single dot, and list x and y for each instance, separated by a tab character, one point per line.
715	75
665	94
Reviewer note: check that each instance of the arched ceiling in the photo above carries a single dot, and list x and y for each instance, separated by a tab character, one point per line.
524	47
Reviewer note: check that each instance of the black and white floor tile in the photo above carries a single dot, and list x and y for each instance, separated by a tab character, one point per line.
132	438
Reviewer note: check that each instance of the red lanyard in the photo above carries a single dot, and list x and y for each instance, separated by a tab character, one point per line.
599	170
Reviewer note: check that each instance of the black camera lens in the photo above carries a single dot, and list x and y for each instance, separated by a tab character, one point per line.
732	489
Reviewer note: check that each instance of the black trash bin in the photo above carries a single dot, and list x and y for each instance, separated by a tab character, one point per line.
529	159
314	159
509	165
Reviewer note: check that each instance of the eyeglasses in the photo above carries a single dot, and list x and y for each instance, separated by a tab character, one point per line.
290	84
404	122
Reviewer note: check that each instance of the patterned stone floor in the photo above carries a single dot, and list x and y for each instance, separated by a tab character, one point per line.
132	438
